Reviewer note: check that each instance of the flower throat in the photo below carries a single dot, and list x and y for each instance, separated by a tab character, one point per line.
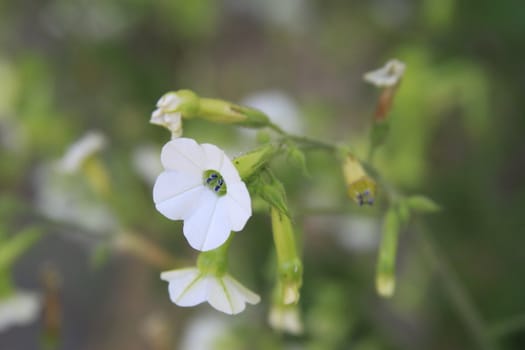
214	181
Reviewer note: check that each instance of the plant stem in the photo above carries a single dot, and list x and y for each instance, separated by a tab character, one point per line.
305	140
508	326
456	292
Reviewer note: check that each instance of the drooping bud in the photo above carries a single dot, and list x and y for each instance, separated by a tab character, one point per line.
361	188
386	263
171	107
289	266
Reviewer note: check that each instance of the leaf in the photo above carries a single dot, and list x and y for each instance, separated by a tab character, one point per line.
422	204
13	248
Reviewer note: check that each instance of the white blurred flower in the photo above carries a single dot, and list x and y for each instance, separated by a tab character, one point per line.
202	187
285	318
166	115
64	198
80	151
190	287
281	109
204	330
388	75
145	159
20	308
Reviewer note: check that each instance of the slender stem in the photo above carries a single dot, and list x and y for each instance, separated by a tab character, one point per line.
305	140
508	326
456	292
144	249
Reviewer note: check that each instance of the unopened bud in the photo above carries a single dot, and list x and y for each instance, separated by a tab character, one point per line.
361	188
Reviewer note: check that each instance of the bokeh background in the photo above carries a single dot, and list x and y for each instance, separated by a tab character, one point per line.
69	67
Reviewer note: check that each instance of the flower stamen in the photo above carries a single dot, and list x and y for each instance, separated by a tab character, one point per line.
214	181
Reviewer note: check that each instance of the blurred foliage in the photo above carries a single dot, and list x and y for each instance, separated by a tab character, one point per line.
455	135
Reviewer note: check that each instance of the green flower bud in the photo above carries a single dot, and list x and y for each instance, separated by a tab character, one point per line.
219	111
289	266
385	276
361	188
251	162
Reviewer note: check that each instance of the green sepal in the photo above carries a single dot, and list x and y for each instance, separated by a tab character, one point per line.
215	262
189	106
271	190
297	158
422	204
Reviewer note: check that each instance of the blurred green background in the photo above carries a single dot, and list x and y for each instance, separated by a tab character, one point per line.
68	67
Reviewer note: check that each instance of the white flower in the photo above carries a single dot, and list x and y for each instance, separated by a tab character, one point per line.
64	198
285	318
81	150
166	115
19	309
146	162
190	287
202	187
388	75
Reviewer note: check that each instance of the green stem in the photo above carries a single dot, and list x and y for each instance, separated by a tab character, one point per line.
506	327
305	141
457	293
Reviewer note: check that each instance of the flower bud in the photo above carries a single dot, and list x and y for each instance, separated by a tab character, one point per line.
361	188
385	275
249	163
219	111
171	107
289	266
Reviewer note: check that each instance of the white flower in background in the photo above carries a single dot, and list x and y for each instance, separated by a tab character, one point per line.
388	75
281	109
64	198
166	115
190	287
202	187
204	331
80	151
285	318
19	308
145	159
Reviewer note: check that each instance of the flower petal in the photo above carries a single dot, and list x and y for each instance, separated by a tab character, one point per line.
220	298
208	227
238	205
184	155
169	101
229	172
185	286
214	156
241	291
176	194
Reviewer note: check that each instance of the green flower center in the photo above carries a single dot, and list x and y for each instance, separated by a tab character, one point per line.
214	181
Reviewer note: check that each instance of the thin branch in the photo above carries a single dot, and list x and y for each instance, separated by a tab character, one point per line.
456	292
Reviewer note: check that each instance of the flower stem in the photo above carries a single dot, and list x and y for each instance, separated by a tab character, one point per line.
457	294
215	262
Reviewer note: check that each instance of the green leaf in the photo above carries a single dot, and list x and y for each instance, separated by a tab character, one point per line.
422	204
12	249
